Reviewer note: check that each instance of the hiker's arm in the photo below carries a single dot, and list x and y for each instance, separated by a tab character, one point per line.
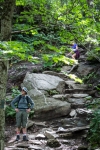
14	102
76	47
69	53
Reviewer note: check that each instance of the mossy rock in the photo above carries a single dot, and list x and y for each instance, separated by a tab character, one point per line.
53	143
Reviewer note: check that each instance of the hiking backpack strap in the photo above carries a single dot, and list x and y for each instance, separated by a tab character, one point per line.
20	99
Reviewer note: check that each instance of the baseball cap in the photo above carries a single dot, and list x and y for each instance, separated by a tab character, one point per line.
24	89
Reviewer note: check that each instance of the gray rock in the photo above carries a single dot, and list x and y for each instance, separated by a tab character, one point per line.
79	95
78	91
65	142
38	123
50	108
23	145
35	142
12	139
47	129
34	147
30	123
36	94
77	105
73	113
83	112
53	143
84	70
8	148
61	75
61	129
43	82
88	97
65	135
51	135
61	96
71	122
46	108
31	136
74	129
40	136
73	85
76	100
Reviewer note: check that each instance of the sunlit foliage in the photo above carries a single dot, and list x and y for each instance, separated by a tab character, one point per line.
47	25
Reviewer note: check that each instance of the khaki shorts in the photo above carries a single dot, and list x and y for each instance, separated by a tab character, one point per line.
21	118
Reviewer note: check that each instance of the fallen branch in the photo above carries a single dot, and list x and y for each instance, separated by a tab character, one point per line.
21	31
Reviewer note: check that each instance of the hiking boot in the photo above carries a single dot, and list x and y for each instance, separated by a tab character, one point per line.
17	137
25	138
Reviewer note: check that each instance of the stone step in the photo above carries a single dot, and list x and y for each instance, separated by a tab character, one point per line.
74	85
77	103
78	91
75	129
80	95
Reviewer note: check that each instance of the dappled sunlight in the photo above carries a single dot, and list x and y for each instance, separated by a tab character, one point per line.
74	77
7	52
16	49
57	60
68	61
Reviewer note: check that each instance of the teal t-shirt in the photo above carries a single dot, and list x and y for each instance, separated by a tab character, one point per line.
22	102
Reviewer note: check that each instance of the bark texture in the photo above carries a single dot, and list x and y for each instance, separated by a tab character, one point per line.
3	81
6	19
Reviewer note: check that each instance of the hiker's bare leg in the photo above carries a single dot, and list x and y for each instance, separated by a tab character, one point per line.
18	130
25	138
24	130
73	56
17	134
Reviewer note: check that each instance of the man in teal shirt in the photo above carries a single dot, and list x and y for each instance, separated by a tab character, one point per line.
22	104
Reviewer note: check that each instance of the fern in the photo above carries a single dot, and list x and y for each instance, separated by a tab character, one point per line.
9	112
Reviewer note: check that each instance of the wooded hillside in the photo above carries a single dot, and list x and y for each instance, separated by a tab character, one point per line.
32	28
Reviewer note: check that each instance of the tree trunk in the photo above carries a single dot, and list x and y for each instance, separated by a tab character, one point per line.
3	81
6	19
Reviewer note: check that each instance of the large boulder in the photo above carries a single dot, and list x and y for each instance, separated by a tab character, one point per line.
61	75
49	108
45	107
43	82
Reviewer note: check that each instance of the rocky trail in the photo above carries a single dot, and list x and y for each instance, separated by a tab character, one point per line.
66	133
61	121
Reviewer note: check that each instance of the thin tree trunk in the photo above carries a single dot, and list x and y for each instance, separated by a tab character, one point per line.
6	19
3	81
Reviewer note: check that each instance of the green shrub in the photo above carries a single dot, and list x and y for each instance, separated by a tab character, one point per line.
9	112
94	54
94	132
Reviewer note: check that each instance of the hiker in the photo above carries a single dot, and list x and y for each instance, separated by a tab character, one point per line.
22	105
75	52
